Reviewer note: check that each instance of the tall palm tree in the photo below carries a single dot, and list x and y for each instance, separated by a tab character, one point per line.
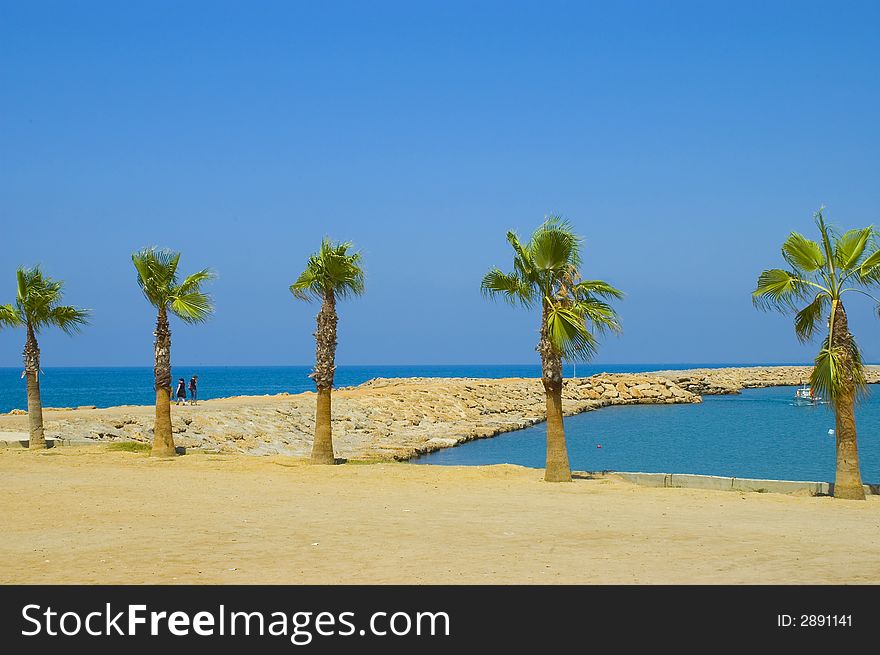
820	275
546	272
157	277
332	272
37	306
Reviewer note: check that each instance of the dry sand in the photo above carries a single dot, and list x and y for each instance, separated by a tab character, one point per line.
86	515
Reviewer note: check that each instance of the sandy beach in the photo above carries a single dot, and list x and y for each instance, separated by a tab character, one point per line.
86	515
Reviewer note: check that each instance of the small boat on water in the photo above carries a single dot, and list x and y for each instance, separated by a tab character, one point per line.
804	396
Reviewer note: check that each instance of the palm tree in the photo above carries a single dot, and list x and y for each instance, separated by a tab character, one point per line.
157	277
332	272
37	306
546	273
820	275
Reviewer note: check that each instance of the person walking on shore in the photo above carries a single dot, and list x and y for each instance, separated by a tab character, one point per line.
193	389
181	391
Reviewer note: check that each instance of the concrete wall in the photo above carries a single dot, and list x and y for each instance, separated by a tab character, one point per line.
718	483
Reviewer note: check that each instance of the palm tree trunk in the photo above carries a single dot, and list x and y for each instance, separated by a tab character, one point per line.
848	478
163	441
36	438
322	447
556	468
325	368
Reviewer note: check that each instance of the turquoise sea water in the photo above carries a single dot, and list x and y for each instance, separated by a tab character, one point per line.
758	434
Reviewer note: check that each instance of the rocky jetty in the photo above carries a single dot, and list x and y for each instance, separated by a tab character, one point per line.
397	419
380	419
718	381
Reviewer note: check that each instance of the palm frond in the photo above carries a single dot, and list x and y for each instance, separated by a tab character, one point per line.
306	286
554	246
157	273
332	269
830	377
37	303
546	269
194	282
810	317
508	286
158	279
598	288
803	254
36	293
192	306
9	316
850	247
869	270
69	319
599	314
568	333
779	289
827	233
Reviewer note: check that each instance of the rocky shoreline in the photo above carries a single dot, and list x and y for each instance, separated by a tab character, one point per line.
397	419
720	381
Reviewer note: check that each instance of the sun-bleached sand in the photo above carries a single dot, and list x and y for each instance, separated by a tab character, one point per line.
86	515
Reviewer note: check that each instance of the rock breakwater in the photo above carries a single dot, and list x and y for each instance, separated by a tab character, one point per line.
388	419
717	381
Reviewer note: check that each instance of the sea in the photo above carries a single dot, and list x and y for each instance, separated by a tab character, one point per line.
759	433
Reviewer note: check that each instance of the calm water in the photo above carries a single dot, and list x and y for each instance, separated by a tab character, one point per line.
758	434
106	387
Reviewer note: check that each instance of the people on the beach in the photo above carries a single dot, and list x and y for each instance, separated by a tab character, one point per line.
181	391
193	389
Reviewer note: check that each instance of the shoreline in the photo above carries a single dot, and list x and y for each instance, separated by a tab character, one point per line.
398	418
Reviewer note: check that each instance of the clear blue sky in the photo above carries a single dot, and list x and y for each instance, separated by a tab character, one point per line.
683	139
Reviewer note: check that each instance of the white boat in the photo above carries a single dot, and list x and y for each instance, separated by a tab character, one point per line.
805	396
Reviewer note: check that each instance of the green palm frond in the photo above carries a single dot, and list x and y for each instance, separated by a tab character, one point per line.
810	317
829	376
779	289
599	314
823	273
850	247
869	271
508	286
306	285
193	282
568	333
38	301
546	271
554	246
37	294
9	316
69	319
803	254
598	288
519	249
157	273
192	307
157	276
332	269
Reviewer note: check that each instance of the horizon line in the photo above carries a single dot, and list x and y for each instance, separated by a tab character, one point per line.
693	364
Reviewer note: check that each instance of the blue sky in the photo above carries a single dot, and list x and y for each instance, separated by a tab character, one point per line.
683	139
